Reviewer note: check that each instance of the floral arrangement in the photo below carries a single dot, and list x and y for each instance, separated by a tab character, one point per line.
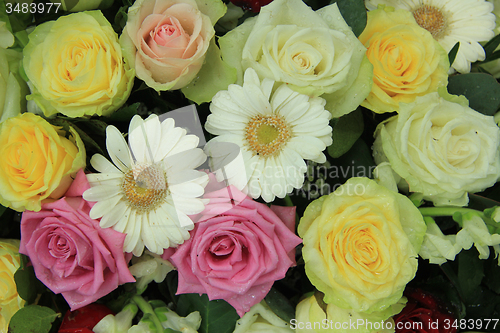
249	166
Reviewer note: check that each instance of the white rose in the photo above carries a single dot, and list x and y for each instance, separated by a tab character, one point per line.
314	52
440	148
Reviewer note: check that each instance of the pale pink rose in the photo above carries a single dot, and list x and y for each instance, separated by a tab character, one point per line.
238	254
166	41
70	252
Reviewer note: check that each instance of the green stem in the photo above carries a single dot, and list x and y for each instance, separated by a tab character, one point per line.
447	211
147	308
288	201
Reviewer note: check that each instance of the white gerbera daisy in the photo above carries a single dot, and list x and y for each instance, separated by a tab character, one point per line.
152	186
449	22
275	131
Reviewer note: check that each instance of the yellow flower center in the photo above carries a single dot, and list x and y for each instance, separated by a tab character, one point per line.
145	187
266	135
431	19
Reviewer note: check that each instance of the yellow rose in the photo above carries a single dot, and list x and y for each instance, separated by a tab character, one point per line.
10	301
166	40
407	61
361	244
75	66
37	161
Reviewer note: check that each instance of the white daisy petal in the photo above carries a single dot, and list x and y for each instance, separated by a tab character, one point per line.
191	159
138	249
136	197
184	222
293	174
102	206
186	190
307	146
169	224
144	137
186	143
171	229
148	235
188	205
105	178
111	217
101	164
133	231
154	133
118	149
122	223
270	128
160	235
170	137
267	87
101	192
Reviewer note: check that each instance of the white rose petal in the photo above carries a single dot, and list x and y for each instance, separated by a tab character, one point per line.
440	149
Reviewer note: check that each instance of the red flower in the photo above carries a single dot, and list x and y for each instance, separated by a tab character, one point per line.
253	5
424	314
84	319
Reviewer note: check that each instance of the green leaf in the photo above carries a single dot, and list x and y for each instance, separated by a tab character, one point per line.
2	210
216	316
354	13
482	91
215	75
120	19
33	319
480	202
357	162
345	132
453	53
470	274
91	145
492	57
19	21
28	286
492	272
417	199
280	305
168	287
9	223
491	46
124	114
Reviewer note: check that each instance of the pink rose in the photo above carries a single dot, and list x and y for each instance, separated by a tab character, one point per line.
237	254
166	40
70	252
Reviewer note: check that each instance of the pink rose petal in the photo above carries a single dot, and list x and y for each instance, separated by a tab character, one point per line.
237	249
70	253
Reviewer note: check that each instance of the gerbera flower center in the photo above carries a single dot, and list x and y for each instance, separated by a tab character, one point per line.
145	187
266	135
431	19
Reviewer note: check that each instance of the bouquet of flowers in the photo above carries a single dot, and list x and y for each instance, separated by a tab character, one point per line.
249	166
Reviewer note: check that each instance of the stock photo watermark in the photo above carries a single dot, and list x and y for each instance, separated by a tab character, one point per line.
358	324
